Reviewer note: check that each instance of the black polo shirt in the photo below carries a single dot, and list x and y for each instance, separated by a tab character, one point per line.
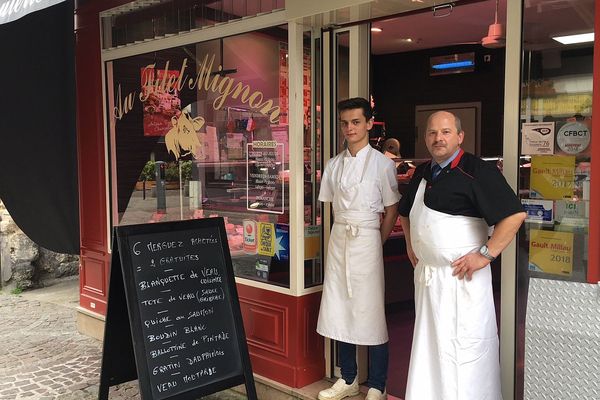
467	186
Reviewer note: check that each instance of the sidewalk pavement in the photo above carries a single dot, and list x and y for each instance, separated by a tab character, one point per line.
43	357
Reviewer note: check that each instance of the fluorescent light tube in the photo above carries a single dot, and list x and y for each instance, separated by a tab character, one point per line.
572	39
455	64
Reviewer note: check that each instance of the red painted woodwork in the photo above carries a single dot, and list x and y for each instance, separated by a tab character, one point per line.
593	275
95	258
281	333
283	343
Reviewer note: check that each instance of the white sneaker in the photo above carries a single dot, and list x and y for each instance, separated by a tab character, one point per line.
375	394
339	390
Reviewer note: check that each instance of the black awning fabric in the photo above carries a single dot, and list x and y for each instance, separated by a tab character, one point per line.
38	145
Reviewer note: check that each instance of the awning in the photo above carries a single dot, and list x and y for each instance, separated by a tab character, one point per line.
11	10
38	145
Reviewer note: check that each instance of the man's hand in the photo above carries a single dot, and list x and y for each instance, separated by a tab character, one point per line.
390	215
409	251
467	264
411	255
504	232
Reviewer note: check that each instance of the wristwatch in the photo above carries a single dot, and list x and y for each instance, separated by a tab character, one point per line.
484	251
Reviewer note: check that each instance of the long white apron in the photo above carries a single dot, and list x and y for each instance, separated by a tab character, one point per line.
353	301
455	345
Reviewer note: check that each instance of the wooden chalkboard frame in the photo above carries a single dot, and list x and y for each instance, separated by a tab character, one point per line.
124	347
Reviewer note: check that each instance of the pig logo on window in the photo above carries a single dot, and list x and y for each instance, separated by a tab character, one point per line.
182	138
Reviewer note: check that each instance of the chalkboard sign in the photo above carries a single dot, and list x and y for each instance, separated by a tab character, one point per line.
182	312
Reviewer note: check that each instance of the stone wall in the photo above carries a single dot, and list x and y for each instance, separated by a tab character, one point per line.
24	264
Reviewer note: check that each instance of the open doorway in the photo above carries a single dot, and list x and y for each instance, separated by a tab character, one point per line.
406	88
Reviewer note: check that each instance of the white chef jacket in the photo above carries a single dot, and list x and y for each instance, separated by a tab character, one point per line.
352	306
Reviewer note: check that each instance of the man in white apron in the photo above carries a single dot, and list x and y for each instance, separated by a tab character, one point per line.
445	213
361	183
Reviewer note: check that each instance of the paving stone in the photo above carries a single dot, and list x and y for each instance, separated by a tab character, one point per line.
78	386
30	387
43	357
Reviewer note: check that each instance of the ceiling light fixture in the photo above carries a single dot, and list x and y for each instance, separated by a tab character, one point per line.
572	39
454	65
495	37
446	10
375	29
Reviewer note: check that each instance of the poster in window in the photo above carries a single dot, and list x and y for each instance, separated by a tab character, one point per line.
280	135
552	177
539	211
312	242
266	239
282	242
235	146
266	177
161	100
537	138
551	252
210	144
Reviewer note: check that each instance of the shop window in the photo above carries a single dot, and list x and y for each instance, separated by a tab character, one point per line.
201	131
313	266
555	156
555	161
143	20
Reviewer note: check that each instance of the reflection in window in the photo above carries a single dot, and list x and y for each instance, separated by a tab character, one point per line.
555	160
201	131
142	20
313	267
556	156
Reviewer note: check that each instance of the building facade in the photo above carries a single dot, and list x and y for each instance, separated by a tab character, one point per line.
191	110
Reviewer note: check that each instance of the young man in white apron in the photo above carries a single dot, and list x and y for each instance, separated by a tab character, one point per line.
362	185
445	214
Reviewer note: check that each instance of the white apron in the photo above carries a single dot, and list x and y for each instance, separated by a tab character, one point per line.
353	304
455	345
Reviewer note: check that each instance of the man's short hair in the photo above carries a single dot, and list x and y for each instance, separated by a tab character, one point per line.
354	103
457	122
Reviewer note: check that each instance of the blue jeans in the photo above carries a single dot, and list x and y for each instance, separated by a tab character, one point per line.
378	364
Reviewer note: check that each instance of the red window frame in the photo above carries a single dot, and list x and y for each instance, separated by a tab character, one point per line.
593	275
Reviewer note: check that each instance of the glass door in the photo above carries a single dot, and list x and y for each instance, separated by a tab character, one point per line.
345	74
556	330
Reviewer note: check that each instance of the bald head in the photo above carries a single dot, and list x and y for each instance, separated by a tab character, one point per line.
446	114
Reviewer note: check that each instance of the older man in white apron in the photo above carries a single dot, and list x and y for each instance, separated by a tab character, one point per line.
361	183
445	213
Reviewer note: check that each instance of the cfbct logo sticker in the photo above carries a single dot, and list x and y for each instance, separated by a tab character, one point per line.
573	137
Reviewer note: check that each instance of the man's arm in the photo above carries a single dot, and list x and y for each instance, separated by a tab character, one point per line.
504	232
405	221
390	214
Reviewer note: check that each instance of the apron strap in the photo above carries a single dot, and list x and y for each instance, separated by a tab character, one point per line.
351	233
426	274
352	230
